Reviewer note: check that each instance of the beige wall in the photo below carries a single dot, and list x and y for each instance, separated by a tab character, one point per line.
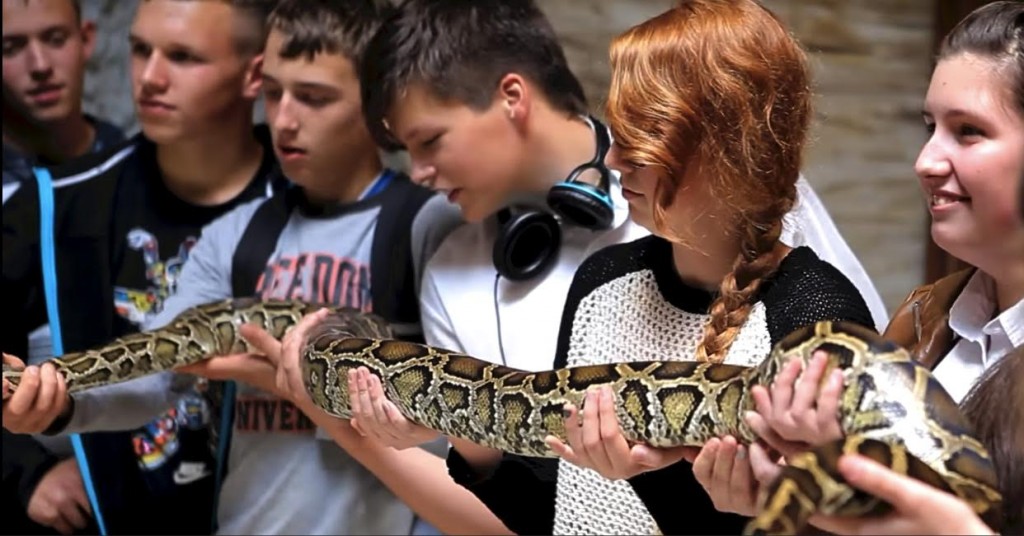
871	65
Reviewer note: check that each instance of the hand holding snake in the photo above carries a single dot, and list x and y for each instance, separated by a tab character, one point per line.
917	508
732	473
791	416
40	399
373	415
798	410
594	440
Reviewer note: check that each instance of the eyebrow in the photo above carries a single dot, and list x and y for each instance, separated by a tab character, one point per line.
303	85
418	131
48	29
317	86
953	112
58	28
133	38
410	134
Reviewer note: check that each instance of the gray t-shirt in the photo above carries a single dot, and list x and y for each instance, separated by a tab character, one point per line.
284	475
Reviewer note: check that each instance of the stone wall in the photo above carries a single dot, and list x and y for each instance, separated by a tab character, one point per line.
871	61
108	90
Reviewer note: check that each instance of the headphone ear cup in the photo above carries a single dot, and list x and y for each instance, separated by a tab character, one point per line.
526	245
582	204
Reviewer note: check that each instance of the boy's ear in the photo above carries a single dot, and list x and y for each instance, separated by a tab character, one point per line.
514	96
253	82
88	33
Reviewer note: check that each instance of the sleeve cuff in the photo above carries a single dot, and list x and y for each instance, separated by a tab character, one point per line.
61	422
461	472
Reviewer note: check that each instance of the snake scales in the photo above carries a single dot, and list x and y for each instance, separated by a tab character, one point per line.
891	409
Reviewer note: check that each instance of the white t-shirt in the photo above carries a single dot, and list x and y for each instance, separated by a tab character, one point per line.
983	340
464	304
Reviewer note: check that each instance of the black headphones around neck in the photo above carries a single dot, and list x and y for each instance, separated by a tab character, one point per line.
529	238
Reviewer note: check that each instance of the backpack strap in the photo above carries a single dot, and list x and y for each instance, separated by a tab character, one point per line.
259	240
392	275
247	264
47	249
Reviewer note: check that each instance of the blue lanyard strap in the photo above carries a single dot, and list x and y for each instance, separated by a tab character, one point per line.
46	246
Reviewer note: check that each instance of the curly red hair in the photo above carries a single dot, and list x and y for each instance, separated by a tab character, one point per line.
718	91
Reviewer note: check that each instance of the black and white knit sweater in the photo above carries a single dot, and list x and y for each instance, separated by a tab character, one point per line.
627	303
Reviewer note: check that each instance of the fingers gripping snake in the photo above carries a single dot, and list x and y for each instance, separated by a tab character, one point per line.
891	409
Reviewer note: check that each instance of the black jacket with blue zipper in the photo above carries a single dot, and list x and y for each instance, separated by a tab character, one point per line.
119	237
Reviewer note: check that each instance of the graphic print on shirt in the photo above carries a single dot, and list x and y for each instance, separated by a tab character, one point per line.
159	440
139	305
315	277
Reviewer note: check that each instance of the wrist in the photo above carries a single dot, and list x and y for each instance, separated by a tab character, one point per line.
30	478
337	428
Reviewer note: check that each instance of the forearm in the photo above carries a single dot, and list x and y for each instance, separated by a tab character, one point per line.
418	478
123	406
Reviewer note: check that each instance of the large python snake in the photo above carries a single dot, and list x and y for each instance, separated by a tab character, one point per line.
891	409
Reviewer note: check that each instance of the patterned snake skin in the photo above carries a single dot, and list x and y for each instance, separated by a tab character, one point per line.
891	409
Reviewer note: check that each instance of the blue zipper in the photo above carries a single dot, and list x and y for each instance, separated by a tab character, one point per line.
46	246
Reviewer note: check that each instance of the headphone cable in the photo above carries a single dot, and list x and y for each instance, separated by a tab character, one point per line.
497	316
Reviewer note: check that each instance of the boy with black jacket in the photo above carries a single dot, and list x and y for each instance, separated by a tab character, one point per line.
124	222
